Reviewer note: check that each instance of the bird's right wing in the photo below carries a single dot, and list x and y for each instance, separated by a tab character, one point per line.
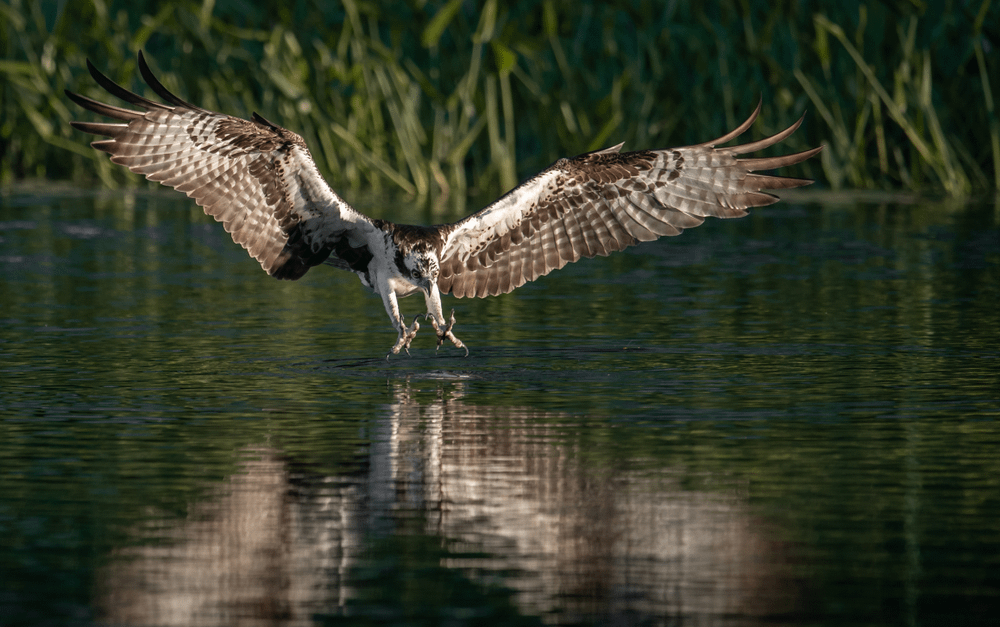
255	177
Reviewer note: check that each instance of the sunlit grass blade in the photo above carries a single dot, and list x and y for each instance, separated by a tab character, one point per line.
414	86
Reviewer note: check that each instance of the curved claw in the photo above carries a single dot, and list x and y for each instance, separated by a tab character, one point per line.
406	336
446	334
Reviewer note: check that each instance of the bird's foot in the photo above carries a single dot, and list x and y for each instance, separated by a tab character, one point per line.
446	334
406	336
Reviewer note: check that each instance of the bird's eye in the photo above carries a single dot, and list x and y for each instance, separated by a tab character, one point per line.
415	274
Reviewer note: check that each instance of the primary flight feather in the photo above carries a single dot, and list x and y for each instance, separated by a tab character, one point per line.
260	181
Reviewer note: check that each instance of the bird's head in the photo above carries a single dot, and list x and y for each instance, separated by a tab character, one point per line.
421	267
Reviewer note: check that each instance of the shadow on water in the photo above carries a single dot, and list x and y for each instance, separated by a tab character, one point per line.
789	418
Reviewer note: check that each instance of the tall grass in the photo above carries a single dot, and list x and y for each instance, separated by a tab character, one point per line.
937	158
443	99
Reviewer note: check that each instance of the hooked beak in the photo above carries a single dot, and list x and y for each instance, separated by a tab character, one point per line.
425	284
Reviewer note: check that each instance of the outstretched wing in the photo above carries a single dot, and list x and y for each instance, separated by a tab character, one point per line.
602	202
257	178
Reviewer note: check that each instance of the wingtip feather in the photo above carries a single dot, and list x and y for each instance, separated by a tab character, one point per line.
736	132
157	86
773	163
120	92
100	108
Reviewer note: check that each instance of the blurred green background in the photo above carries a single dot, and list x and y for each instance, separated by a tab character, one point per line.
447	100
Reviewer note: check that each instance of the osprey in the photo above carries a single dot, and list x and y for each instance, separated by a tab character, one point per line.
260	181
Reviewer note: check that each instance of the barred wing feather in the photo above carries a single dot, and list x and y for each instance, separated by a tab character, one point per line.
603	202
255	177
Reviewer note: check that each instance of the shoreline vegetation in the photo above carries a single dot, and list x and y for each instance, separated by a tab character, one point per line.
444	100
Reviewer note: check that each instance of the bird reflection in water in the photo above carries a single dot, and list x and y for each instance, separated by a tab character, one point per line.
570	540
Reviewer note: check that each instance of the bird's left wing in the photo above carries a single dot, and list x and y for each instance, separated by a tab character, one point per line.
255	177
603	202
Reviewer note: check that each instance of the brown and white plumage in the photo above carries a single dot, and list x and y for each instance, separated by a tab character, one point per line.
259	180
603	202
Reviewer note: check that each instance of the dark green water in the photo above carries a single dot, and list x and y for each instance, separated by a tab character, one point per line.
788	419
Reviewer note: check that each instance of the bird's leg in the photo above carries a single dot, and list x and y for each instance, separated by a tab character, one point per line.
446	334
443	330
406	334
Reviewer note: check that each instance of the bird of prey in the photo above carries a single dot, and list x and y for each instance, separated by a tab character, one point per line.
260	181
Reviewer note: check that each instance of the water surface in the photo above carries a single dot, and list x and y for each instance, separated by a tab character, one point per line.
790	418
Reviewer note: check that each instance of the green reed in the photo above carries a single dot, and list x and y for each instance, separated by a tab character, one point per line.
446	100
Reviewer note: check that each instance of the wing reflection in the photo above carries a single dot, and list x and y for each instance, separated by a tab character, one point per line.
586	539
571	535
253	553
